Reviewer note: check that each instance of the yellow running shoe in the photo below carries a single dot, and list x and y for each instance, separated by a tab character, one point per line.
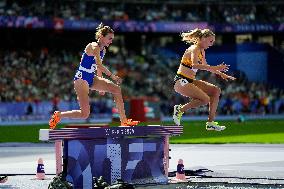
213	126
177	114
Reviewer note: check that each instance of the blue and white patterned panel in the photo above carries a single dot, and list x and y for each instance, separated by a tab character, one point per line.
114	154
135	160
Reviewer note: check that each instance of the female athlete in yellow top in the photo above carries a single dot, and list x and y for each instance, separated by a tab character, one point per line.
85	79
201	92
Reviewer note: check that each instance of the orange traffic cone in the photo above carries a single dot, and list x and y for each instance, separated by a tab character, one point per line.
180	175
40	174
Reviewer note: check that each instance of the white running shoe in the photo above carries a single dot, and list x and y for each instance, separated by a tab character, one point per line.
177	114
213	126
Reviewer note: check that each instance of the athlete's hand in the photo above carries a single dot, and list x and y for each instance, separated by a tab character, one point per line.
221	67
117	79
102	93
226	77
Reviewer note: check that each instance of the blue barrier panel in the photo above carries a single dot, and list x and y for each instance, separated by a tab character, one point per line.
138	155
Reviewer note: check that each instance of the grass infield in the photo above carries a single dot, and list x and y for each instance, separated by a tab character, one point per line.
252	131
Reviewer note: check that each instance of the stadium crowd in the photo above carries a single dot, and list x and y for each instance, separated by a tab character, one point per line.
35	75
39	75
242	12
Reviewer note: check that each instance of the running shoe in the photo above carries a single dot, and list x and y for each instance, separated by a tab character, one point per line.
213	126
54	120
177	114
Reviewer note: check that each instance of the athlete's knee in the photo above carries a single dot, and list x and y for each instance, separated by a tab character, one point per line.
205	99
116	90
216	91
85	114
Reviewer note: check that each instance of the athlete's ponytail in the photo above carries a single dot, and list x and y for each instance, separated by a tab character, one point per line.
195	35
103	30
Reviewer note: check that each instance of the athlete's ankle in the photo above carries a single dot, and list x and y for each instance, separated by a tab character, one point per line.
181	108
122	121
58	113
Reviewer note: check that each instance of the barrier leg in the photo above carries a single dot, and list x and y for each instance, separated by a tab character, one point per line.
58	156
166	155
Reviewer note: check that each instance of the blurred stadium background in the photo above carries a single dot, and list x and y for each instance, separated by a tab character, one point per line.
42	41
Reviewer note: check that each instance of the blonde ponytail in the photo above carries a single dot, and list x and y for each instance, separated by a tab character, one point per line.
195	35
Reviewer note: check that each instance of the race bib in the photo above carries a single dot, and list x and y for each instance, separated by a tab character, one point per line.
94	67
183	82
78	75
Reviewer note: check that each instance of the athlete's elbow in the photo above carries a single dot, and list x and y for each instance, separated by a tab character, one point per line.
100	67
195	66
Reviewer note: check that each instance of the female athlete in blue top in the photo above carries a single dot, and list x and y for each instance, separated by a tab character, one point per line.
86	79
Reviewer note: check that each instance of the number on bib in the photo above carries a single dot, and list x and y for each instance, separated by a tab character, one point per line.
78	75
183	82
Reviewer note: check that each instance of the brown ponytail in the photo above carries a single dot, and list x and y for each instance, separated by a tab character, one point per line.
103	30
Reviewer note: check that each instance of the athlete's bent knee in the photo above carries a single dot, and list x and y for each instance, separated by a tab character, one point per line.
85	114
216	91
205	100
116	90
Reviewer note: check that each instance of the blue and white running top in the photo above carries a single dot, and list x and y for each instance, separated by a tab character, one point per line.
87	68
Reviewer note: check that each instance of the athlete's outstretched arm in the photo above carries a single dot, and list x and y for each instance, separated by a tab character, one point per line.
219	72
99	71
224	76
100	74
204	65
100	66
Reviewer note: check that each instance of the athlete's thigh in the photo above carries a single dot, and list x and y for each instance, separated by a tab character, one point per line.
102	84
82	90
190	90
208	88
